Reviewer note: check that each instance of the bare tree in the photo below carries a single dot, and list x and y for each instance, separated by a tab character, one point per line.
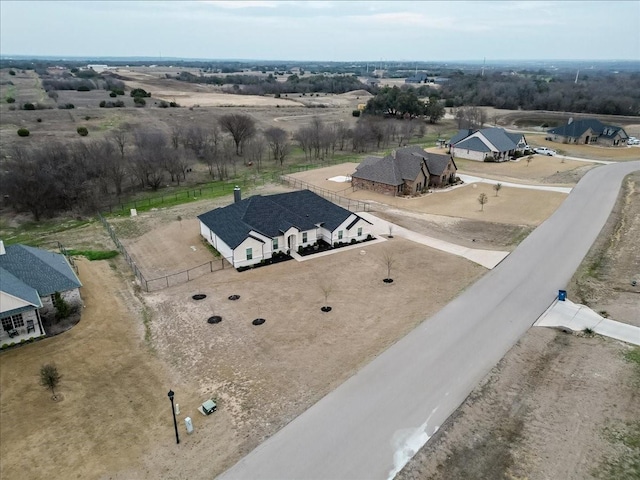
121	138
389	260
482	199
326	288
50	377
254	150
278	141
529	158
240	126
497	187
406	131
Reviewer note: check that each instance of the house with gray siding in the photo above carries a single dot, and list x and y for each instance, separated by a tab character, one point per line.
29	279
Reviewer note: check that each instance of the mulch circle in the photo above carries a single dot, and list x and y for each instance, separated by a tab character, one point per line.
215	319
388	280
199	296
234	297
325	309
258	321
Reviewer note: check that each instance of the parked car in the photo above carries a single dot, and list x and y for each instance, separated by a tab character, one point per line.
544	151
633	141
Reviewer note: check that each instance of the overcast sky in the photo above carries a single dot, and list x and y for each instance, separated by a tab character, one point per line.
324	30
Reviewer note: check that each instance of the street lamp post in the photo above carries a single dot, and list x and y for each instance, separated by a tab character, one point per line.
173	412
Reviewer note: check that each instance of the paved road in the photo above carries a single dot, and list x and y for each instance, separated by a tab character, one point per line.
371	425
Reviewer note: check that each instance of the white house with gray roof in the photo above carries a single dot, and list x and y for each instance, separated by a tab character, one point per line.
29	279
251	230
487	144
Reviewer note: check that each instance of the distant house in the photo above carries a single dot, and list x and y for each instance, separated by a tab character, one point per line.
405	171
29	279
420	77
251	230
590	132
487	144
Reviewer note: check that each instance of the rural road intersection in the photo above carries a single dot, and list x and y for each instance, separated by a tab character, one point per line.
371	425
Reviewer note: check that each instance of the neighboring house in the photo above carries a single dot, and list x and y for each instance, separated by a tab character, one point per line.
486	145
251	230
405	171
29	279
590	132
420	77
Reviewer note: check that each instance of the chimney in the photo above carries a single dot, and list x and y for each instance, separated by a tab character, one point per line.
236	194
2	250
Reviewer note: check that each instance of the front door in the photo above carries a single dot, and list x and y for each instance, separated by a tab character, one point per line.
291	243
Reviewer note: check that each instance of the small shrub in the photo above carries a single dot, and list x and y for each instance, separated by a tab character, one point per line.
355	113
12	107
12	72
139	101
39	120
173	104
300	249
336	244
103	103
63	310
28	106
87	117
10	100
353	240
139	92
162	104
369	237
23	132
113	94
83	88
67	106
82	131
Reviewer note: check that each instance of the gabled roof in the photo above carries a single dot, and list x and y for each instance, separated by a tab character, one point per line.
403	164
437	163
501	140
15	287
474	144
273	215
46	272
577	128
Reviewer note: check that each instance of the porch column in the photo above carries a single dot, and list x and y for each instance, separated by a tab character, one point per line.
39	322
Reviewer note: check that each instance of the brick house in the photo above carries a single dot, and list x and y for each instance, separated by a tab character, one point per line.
589	132
405	171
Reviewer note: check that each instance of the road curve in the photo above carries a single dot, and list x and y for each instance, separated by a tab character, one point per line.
371	425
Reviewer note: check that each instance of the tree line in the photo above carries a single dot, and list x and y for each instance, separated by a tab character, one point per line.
84	175
269	85
595	92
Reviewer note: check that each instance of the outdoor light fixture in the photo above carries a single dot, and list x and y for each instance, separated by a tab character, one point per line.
173	412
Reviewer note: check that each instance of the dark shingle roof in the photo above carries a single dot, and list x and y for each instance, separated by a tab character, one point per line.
15	287
46	272
272	215
436	163
576	128
474	144
403	164
502	140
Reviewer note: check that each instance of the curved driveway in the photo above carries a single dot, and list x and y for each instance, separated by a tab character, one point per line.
371	425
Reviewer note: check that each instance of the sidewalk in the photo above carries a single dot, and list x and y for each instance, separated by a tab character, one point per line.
471	179
487	258
577	317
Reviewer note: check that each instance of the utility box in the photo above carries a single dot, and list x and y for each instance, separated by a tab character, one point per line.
188	424
134	212
562	295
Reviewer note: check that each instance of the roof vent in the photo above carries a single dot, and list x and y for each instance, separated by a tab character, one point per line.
237	196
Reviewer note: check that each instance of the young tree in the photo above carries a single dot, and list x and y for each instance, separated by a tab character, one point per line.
529	158
389	260
240	126
497	187
482	199
326	288
50	377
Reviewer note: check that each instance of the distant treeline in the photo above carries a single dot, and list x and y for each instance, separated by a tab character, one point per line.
269	85
597	93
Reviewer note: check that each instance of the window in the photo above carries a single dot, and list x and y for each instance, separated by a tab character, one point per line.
304	237
275	243
18	321
249	253
340	235
359	231
53	299
7	324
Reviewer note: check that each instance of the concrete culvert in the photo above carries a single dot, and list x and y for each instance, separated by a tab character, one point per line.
234	297
325	309
215	319
258	321
199	296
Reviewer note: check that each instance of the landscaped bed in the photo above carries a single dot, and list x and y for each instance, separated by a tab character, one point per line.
323	246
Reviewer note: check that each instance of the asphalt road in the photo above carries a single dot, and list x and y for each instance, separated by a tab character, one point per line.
371	425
